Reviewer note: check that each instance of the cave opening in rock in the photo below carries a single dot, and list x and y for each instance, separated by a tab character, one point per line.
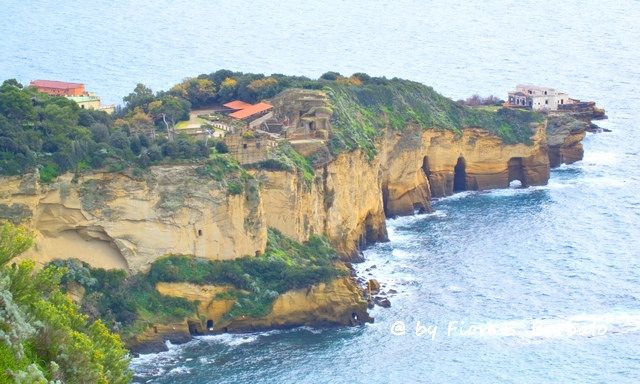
210	325
193	328
425	166
516	171
460	176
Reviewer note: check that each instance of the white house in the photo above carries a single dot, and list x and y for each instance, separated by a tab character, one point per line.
536	97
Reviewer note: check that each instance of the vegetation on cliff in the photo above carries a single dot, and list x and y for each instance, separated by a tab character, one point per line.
227	171
285	158
55	135
363	105
284	266
43	336
362	111
130	304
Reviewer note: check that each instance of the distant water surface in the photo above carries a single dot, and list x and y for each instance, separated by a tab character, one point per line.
523	267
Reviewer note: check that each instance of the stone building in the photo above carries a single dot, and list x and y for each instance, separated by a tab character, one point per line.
537	98
250	147
303	113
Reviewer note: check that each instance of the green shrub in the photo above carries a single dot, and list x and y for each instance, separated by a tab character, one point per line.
284	157
235	187
218	167
43	336
48	173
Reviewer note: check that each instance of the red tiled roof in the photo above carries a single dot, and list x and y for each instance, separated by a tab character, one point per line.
237	104
251	110
55	84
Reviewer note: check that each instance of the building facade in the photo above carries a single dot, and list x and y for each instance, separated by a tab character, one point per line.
537	98
58	88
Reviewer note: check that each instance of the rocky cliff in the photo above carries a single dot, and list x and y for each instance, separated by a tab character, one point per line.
116	220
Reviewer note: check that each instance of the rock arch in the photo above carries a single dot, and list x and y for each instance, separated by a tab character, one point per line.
516	171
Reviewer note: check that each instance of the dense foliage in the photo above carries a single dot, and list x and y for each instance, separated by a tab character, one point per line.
55	135
130	304
43	336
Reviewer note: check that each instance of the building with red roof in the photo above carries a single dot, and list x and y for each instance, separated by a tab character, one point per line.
58	88
252	111
236	105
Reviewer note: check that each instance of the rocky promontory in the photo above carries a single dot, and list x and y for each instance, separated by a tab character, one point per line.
121	221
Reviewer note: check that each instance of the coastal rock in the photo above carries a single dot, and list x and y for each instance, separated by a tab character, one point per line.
338	302
116	221
382	302
373	286
564	136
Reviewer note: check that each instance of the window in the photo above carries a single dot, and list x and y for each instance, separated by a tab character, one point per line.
199	232
546	101
244	145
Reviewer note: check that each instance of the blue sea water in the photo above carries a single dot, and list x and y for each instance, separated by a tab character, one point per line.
536	285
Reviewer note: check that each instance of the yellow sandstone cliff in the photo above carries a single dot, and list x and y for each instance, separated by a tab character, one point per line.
114	220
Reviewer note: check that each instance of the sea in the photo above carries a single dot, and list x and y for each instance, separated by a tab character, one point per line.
534	285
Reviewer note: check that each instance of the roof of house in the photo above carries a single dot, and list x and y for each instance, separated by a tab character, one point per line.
55	84
251	110
535	87
237	104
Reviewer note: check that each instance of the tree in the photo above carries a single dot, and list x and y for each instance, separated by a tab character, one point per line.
199	91
13	241
169	110
99	132
140	97
63	345
331	76
15	104
227	91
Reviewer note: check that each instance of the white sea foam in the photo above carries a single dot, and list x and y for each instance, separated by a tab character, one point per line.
599	158
457	196
232	340
181	370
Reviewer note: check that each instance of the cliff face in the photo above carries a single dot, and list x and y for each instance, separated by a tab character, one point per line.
564	136
112	220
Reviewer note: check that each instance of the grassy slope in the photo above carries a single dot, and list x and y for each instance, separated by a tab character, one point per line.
362	111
